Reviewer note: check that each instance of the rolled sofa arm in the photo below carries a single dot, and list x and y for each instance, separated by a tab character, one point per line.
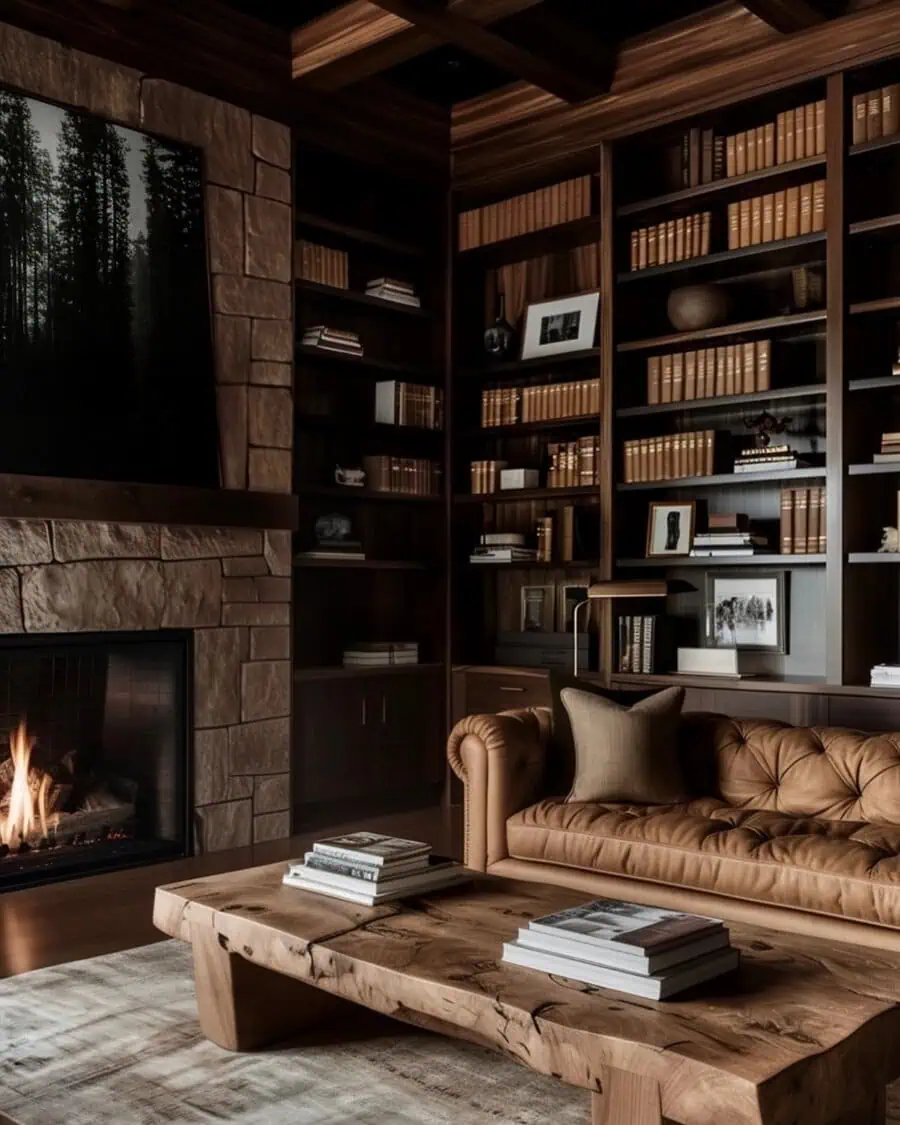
500	761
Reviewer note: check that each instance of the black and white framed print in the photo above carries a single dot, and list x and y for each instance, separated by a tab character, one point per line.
747	611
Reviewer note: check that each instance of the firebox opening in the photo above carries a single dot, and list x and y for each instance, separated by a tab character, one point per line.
94	753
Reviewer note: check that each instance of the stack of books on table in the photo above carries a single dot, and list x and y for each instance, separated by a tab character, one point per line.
636	949
729	536
368	868
890	449
389	289
380	654
885	675
502	547
332	340
760	458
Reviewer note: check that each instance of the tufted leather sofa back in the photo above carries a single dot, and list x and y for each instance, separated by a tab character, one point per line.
825	772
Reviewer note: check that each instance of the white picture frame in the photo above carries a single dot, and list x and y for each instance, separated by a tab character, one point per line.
566	324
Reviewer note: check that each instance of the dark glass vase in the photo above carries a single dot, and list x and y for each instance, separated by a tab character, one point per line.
498	339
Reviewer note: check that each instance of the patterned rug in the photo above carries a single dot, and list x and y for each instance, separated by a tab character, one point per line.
115	1041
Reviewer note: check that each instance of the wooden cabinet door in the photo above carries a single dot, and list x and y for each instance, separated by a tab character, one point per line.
330	732
406	753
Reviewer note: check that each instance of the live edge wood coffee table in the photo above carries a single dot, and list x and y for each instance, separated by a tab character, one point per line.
804	1033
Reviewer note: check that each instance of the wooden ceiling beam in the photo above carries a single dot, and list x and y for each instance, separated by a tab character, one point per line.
566	82
787	16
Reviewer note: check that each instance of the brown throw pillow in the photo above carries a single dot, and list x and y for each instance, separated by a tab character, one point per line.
624	754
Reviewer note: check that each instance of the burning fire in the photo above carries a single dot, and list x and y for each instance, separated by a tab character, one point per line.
26	814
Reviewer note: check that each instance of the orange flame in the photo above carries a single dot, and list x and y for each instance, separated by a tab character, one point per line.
27	815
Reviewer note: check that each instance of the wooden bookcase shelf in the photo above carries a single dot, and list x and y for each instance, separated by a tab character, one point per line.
350	495
359	564
719	480
784	253
884	224
723	402
519	367
367	365
882	304
553	564
879	382
856	558
874	145
408	435
517	495
521	428
339	672
533	244
351	296
884	468
722	332
713	564
309	224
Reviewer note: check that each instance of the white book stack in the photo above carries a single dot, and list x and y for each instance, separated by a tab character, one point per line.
640	950
380	654
885	675
368	868
390	289
727	544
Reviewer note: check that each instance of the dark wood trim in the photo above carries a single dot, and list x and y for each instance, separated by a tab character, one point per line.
358	564
338	672
24	497
882	304
517	495
785	249
608	451
787	561
884	224
788	15
769	324
726	402
717	480
876	383
349	495
520	428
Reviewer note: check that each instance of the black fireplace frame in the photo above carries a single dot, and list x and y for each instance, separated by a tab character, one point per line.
52	643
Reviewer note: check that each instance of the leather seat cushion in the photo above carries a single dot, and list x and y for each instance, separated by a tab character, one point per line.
846	868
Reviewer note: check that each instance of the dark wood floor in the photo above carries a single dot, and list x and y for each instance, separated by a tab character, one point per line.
104	913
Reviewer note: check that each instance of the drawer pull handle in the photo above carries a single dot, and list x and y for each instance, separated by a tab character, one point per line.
508	687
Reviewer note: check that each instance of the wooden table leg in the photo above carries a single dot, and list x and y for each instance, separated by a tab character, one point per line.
874	1112
627	1099
242	1006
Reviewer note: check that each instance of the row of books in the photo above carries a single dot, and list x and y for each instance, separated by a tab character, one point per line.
484	475
380	654
409	404
389	289
670	457
508	406
502	547
640	950
777	215
573	534
676	240
643	643
793	135
332	340
415	476
574	464
321	264
890	449
757	458
729	542
368	868
876	113
533	210
803	521
730	369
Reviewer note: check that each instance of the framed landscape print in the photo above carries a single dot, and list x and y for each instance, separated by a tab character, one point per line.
670	528
747	611
567	324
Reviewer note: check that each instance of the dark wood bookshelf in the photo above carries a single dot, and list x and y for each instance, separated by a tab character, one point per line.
673	563
813	684
306	220
882	304
875	469
884	224
734	402
856	558
350	495
368	365
358	564
363	427
521	428
517	495
784	253
720	187
878	382
534	243
718	480
874	145
353	297
516	367
746	328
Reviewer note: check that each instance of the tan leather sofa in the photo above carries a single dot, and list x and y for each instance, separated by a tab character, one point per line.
790	827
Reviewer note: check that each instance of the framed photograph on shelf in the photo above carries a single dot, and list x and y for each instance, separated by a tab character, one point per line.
537	609
747	611
567	324
569	595
670	528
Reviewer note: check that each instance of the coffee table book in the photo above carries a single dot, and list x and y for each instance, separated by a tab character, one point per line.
445	873
370	847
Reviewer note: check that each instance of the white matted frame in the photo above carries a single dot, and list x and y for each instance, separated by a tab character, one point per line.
566	324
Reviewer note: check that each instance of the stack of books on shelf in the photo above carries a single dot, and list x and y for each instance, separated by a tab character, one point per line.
574	464
389	289
674	241
321	264
803	521
885	675
368	868
730	369
794	135
729	535
644	643
670	457
546	207
340	549
876	114
485	475
890	449
636	949
507	406
380	654
415	476
332	340
777	215
757	459
409	404
503	547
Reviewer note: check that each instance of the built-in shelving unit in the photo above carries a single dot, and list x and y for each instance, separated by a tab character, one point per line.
722	332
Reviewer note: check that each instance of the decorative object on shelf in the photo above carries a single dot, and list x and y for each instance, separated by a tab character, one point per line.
670	528
570	596
890	541
350	478
511	479
567	324
692	308
537	609
759	458
807	288
334	539
498	339
765	425
747	611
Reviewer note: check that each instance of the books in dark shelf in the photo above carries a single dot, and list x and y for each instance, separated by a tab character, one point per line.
777	215
730	369
803	521
321	264
389	289
380	654
574	463
509	406
890	449
409	404
414	476
676	240
535	210
876	113
639	950
332	340
645	643
670	457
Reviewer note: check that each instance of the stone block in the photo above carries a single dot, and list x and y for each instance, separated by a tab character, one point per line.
224	826
269	470
225	229
244	568
273	589
209	542
270	417
24	542
265	690
263	747
271	826
73	541
272	793
270	643
277	550
231	405
251	296
271	141
272	340
113	594
269	242
193	594
232	349
10	602
267	374
272	182
210	765
255	613
217	677
239	590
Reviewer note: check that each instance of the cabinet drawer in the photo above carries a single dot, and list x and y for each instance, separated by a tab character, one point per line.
489	692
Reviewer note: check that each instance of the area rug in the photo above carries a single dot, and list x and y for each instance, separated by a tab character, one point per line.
115	1041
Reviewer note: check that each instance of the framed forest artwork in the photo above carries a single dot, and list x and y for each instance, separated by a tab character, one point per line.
748	610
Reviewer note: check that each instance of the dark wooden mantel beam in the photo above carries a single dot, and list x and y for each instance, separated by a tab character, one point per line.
793	15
